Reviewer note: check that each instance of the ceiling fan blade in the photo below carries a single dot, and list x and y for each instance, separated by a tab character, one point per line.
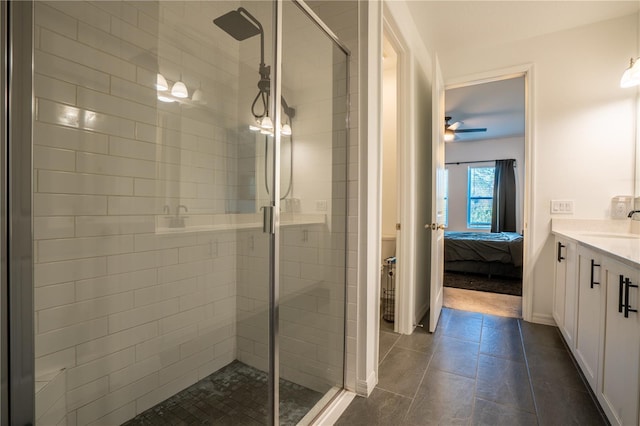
455	125
484	129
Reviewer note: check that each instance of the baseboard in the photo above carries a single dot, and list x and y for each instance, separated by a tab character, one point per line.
545	319
365	387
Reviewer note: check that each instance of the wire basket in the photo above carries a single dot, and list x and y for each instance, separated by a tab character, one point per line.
389	289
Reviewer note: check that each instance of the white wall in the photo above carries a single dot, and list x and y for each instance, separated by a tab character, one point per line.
496	149
583	129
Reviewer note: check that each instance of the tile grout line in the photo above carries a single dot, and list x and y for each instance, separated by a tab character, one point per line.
475	381
424	374
526	363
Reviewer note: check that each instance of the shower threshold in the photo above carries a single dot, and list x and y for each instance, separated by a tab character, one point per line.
234	395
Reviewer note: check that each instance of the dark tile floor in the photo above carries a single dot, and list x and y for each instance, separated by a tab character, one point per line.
233	395
475	369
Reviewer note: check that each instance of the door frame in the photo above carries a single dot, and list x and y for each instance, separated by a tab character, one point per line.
405	240
16	230
528	211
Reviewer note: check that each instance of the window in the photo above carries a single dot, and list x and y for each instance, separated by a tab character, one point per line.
480	197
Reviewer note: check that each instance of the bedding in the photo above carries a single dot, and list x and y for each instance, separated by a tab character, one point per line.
483	252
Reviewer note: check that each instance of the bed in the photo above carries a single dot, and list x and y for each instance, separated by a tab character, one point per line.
488	253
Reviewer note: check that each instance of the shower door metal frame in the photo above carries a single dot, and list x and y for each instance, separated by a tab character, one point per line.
274	226
16	230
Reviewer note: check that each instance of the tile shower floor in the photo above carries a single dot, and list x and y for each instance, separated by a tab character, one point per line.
233	395
476	369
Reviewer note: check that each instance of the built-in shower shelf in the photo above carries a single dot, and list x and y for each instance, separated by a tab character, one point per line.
240	221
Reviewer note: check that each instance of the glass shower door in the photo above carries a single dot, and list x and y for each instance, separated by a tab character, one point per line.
313	205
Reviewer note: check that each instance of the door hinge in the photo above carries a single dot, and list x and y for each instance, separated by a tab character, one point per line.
397	226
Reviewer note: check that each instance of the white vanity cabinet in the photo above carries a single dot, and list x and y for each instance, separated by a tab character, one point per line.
618	390
565	291
597	279
591	298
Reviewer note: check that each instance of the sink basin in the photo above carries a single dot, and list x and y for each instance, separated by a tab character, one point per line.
611	235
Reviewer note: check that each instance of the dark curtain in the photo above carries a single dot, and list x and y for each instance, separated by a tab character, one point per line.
503	217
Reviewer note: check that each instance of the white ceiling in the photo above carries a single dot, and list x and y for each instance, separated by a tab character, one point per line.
497	106
446	26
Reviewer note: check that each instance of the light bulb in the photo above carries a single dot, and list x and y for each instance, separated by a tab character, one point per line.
179	90
266	123
286	130
449	135
161	83
198	96
631	76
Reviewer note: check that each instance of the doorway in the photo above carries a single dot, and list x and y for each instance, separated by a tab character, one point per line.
485	159
390	206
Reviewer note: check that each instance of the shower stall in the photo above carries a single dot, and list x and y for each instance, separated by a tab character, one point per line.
188	212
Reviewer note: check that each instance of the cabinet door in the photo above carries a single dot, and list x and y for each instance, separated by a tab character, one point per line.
565	290
590	313
560	283
618	389
571	296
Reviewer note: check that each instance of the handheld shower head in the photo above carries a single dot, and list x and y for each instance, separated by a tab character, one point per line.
236	24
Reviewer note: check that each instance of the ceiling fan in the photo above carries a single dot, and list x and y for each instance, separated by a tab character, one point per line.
450	130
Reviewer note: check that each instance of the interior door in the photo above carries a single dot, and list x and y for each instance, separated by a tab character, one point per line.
437	205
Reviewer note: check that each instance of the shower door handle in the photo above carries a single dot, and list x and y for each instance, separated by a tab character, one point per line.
268	225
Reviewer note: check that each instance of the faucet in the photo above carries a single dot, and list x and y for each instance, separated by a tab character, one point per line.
632	212
176	221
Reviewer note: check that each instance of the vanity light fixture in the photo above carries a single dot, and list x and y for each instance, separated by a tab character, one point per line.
161	83
198	96
631	76
179	90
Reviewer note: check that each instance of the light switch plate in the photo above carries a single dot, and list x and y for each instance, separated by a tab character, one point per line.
561	206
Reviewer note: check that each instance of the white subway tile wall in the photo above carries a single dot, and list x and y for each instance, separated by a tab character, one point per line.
131	308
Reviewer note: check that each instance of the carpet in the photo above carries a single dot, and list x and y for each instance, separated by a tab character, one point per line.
495	284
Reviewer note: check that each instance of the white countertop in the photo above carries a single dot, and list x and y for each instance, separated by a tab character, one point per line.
619	239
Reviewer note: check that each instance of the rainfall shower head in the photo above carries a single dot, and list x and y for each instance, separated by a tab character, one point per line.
241	25
236	24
